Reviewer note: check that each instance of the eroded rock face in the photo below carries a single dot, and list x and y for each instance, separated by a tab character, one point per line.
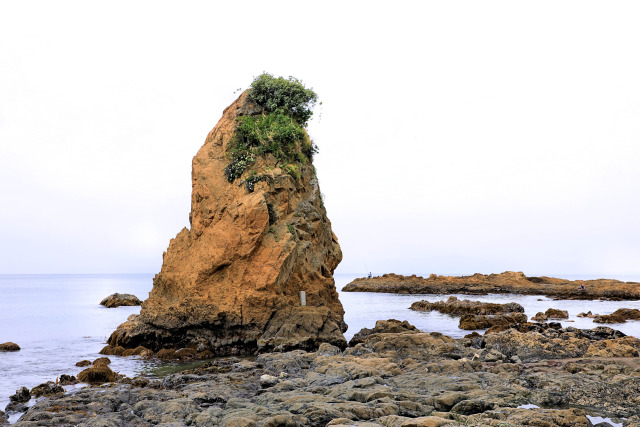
231	284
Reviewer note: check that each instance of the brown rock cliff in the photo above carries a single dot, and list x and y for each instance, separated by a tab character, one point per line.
231	283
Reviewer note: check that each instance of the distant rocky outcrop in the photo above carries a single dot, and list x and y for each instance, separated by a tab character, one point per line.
232	283
503	283
119	300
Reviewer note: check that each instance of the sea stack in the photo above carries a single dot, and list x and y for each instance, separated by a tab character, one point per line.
255	270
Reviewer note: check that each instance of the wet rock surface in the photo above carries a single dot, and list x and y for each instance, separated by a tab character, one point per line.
507	282
394	375
18	401
119	300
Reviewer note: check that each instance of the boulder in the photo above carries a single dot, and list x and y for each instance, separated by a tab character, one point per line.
232	282
166	354
118	300
9	346
14	406
22	395
102	361
138	351
111	350
587	314
553	313
67	379
83	363
621	315
97	374
539	317
47	389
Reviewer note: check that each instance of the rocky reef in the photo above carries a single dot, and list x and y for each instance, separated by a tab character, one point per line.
507	282
392	375
255	270
458	307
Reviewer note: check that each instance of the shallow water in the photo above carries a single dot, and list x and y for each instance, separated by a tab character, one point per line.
57	320
362	309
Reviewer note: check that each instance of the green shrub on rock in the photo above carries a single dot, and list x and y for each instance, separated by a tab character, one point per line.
278	130
284	96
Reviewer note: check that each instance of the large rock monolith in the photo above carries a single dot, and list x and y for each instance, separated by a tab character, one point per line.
232	283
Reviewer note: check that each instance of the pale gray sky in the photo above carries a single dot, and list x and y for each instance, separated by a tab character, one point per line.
455	137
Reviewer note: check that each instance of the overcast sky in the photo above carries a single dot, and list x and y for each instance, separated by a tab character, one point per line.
455	137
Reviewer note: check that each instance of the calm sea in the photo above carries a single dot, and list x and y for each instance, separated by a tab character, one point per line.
57	320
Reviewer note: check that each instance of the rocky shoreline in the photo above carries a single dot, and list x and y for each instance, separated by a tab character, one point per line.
391	375
253	276
508	282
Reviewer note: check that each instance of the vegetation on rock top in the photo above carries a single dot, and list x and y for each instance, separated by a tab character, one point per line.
278	130
283	96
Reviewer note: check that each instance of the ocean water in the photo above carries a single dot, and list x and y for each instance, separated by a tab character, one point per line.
57	320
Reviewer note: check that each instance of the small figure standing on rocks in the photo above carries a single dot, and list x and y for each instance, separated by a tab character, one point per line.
370	276
582	288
